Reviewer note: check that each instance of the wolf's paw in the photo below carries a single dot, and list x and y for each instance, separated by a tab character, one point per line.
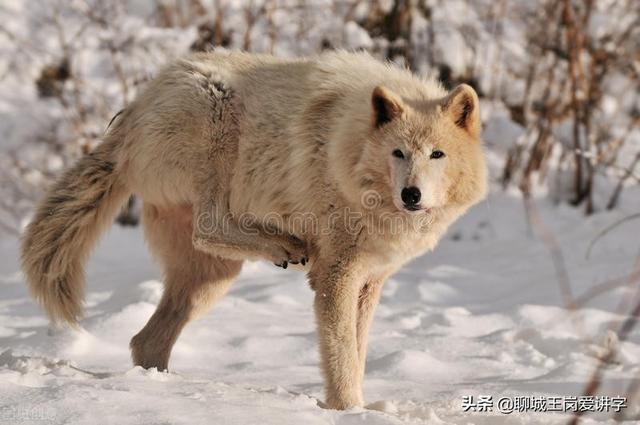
344	402
292	250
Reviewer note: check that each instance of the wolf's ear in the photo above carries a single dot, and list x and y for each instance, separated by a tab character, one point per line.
386	106
462	106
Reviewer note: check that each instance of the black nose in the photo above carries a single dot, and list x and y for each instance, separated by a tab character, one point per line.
410	196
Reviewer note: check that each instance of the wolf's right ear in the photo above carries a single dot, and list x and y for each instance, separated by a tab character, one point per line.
386	106
462	106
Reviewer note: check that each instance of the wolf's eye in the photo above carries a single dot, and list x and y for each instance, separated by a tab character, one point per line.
437	154
398	154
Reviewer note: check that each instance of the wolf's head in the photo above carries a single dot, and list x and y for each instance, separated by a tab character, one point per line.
424	156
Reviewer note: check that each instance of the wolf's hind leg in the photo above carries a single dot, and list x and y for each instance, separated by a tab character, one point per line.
193	281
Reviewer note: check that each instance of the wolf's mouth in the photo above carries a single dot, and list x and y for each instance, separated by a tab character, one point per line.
410	209
417	209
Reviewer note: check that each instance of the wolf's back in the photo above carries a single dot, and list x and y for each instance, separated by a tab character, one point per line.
66	225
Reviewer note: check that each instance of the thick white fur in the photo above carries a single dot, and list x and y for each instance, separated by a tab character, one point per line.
219	135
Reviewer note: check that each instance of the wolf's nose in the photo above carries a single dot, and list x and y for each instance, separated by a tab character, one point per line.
410	196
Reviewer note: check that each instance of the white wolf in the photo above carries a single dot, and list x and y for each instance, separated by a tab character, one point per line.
380	160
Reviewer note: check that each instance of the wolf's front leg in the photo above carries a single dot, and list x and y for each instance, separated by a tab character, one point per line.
337	284
217	232
368	298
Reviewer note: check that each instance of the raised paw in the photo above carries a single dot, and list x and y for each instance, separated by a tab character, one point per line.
294	250
284	264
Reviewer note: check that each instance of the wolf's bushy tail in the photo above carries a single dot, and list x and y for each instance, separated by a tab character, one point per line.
78	208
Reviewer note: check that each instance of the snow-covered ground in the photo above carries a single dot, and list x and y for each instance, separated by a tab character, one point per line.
482	315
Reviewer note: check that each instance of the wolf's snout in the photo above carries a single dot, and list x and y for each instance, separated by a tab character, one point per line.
411	197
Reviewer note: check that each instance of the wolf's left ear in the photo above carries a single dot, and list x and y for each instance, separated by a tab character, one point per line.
462	106
387	106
